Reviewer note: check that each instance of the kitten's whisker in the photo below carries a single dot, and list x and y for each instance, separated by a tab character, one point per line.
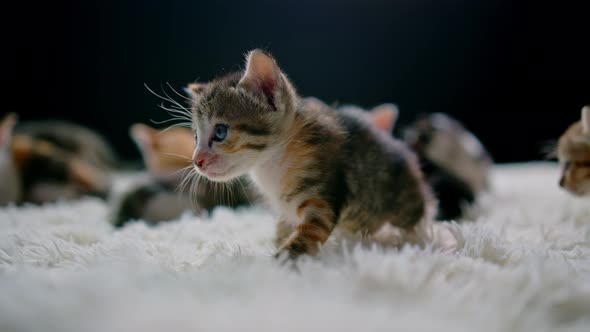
157	95
184	97
175	112
192	193
242	187
184	169
176	125
177	155
186	180
180	110
170	120
174	101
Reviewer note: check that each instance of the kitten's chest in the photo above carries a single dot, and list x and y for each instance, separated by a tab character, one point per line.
269	178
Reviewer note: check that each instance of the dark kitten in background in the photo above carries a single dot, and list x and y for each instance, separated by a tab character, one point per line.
453	160
317	168
164	196
49	160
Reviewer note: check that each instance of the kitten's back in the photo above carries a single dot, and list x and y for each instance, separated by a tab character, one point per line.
377	161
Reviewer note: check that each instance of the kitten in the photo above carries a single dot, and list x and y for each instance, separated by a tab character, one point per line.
164	196
10	187
317	167
573	151
47	161
454	162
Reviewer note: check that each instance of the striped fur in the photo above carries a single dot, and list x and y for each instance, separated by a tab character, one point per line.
317	168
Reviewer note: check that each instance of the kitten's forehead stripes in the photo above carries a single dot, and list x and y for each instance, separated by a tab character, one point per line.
252	129
247	146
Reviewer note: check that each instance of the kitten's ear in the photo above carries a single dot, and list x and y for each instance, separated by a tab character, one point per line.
194	90
6	126
262	75
144	136
586	119
384	117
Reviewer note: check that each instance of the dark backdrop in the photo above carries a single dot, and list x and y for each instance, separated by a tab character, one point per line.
516	73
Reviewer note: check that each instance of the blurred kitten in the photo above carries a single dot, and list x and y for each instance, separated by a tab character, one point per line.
573	151
317	168
454	162
164	196
10	187
49	160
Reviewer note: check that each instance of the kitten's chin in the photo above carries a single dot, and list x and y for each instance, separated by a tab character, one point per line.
217	176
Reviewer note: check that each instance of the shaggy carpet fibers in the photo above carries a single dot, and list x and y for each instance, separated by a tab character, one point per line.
521	262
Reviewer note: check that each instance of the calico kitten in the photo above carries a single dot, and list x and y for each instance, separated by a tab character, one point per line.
52	160
317	168
573	151
453	160
164	196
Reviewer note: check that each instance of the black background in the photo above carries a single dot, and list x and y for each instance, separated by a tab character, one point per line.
515	73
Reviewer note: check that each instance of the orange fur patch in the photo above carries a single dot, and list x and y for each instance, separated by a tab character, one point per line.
316	202
312	233
297	156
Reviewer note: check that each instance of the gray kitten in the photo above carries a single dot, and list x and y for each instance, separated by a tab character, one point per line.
454	162
316	167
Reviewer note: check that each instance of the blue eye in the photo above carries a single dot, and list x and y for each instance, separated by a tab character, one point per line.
220	132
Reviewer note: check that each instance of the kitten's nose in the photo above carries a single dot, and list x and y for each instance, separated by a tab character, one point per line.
199	158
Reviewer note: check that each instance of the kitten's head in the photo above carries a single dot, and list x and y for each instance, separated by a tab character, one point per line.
573	150
238	120
163	151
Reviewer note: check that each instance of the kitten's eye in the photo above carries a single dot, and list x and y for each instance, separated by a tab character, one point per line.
220	132
196	137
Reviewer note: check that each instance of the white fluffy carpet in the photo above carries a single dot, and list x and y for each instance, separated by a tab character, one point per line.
522	265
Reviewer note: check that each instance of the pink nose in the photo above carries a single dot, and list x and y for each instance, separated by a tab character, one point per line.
199	158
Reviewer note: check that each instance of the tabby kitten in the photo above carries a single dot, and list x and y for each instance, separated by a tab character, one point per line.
46	161
454	162
317	168
164	196
573	151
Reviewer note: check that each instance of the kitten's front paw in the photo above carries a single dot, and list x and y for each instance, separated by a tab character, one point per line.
295	249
